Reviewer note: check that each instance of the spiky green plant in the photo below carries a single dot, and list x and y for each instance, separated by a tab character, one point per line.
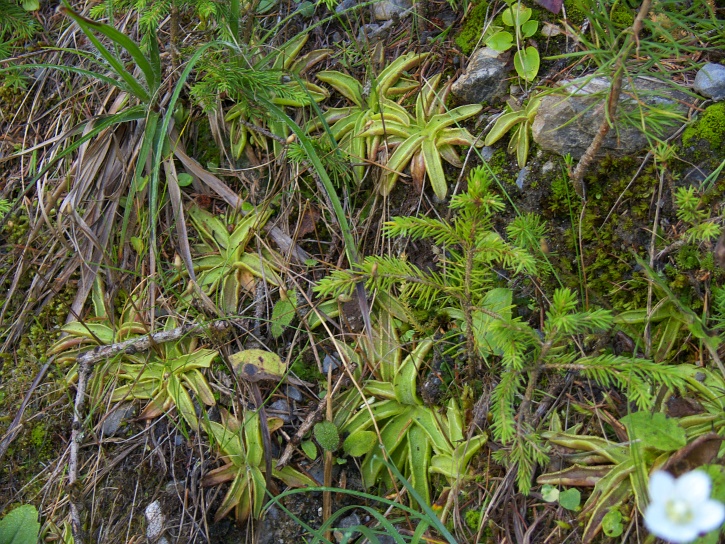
465	287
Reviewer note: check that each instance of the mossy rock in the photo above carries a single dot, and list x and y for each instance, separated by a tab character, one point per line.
472	28
709	127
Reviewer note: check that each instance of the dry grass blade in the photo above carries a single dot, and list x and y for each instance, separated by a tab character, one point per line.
180	223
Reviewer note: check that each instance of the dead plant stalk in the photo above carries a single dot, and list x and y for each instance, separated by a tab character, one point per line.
577	176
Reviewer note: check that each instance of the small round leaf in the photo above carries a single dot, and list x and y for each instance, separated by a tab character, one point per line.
570	499
327	436
612	523
308	446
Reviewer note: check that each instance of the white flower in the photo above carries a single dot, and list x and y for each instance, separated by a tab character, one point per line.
681	509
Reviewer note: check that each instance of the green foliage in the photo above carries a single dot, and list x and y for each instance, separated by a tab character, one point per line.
167	378
348	123
240	445
283	312
417	440
266	77
691	210
619	470
20	526
526	58
422	141
612	523
16	26
359	443
473	248
225	267
327	435
519	118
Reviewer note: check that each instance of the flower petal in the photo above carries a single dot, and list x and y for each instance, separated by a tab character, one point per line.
661	486
709	516
693	487
657	523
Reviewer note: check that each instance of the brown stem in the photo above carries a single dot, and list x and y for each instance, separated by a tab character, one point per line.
577	176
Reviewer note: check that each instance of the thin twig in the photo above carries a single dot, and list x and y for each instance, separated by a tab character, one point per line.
312	418
85	362
143	343
577	177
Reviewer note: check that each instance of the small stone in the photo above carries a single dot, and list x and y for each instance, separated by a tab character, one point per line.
487	153
280	408
568	122
710	81
330	362
115	417
154	521
353	520
344	6
294	393
485	79
522	177
387	9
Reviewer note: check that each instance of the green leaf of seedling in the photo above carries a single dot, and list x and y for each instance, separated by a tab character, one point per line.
434	167
31	5
89	27
327	435
516	15
20	526
308	446
526	62
306	9
529	28
549	493
359	443
570	499
265	5
501	41
282	315
184	179
655	431
612	523
503	125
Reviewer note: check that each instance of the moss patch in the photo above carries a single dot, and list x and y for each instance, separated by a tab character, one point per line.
709	127
472	28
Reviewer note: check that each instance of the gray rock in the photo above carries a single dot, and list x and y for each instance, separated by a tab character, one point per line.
154	521
567	124
115	417
344	527
345	5
384	10
294	393
330	361
280	408
522	177
485	79
710	81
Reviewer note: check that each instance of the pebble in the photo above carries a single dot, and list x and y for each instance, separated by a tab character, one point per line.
710	81
154	521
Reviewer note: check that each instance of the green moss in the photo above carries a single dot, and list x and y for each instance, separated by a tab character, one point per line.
472	28
473	519
621	16
688	257
575	12
709	127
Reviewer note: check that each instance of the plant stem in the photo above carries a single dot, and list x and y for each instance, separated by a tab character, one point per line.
577	177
